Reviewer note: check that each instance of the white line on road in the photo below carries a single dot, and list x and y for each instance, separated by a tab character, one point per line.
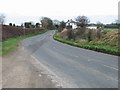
110	67
77	56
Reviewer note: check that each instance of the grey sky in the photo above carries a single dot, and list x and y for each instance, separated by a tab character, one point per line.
19	11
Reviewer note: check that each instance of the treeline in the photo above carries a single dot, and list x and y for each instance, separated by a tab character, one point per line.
48	23
113	26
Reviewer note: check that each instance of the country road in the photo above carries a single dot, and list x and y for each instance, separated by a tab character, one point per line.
75	67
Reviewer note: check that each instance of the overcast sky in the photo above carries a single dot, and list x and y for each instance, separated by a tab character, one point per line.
18	11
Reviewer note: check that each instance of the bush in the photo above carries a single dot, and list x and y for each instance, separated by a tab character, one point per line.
96	47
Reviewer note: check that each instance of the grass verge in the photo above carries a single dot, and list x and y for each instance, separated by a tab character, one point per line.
96	47
11	43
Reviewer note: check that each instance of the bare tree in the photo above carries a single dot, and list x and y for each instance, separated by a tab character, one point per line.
62	26
2	19
56	23
47	23
82	21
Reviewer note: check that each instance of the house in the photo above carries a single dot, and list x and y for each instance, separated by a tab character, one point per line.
38	25
71	23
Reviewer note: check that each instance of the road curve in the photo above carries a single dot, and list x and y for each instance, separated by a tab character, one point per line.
76	67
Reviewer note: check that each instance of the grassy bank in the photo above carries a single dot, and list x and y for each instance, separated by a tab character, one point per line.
11	43
91	46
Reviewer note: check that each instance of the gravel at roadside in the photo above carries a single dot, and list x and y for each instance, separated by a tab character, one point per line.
19	71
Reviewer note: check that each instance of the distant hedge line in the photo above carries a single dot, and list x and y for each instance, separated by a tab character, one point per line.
10	31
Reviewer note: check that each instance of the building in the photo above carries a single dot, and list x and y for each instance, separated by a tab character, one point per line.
71	23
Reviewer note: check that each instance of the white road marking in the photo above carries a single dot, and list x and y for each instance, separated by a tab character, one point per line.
40	75
77	56
110	67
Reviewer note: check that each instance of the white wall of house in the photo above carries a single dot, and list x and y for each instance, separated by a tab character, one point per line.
74	26
92	27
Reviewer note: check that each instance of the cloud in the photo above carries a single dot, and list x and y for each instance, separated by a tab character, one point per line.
59	7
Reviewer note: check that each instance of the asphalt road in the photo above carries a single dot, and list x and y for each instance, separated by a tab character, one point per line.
75	67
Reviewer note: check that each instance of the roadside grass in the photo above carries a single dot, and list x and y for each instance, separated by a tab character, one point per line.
104	48
11	44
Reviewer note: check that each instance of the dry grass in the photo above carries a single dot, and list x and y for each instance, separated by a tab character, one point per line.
107	43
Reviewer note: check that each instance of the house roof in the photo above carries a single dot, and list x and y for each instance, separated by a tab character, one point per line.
70	21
